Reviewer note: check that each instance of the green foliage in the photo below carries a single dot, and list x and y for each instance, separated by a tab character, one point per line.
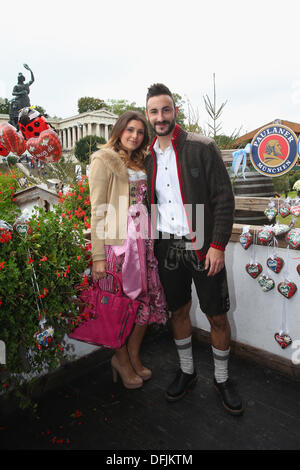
88	103
86	146
118	107
4	106
179	102
40	275
12	160
8	186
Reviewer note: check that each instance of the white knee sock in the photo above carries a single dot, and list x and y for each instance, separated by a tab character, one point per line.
185	353
221	364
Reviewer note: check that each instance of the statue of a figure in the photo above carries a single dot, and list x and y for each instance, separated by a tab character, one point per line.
21	98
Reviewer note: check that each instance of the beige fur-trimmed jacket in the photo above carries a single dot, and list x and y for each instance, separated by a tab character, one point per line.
109	194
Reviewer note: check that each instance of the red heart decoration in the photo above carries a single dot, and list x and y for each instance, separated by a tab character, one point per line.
12	140
287	289
246	240
254	269
265	235
284	211
275	264
46	147
283	340
295	210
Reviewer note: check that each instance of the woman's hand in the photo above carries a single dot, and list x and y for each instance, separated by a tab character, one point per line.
99	270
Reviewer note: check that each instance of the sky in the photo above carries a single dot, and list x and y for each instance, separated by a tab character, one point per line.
116	49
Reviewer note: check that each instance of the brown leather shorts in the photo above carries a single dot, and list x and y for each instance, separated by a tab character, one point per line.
179	267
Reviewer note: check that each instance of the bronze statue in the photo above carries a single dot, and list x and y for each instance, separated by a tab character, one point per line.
21	97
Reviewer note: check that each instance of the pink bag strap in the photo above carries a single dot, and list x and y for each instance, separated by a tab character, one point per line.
120	289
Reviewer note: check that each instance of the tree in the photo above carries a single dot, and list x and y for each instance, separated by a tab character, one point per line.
86	146
213	112
88	103
118	107
179	103
223	141
4	106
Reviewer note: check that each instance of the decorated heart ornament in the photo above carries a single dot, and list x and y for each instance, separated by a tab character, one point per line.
295	210
246	240
283	339
265	235
266	283
254	269
11	140
293	238
280	230
287	289
298	269
44	336
46	147
275	264
284	210
270	213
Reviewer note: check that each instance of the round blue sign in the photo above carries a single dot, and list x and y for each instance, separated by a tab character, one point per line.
274	150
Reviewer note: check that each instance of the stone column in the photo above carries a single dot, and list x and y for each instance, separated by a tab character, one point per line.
98	130
69	138
75	136
106	132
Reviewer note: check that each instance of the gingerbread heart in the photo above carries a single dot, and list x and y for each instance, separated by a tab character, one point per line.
293	238
287	289
254	269
266	283
265	235
295	210
46	147
280	229
284	211
246	240
298	269
270	213
275	264
283	340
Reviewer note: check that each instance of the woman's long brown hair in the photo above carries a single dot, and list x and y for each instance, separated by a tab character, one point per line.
138	155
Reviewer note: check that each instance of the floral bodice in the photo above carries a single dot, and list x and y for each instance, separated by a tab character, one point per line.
137	187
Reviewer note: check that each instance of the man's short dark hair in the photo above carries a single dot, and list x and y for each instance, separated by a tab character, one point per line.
159	89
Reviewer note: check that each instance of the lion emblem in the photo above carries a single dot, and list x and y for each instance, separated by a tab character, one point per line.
273	155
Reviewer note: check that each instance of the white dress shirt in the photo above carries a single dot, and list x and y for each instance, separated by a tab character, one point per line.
171	213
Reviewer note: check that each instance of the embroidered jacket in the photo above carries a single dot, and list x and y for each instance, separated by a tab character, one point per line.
203	179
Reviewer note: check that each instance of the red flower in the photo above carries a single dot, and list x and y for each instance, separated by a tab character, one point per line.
2	265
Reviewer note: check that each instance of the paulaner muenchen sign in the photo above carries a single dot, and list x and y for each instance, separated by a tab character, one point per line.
274	150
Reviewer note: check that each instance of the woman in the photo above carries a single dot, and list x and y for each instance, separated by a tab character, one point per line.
117	181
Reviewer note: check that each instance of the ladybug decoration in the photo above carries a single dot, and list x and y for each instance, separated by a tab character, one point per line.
31	123
42	142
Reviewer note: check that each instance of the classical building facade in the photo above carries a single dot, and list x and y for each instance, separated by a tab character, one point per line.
73	128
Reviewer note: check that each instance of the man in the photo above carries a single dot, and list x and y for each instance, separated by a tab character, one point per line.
186	170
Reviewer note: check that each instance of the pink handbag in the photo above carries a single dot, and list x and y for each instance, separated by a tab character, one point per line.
112	316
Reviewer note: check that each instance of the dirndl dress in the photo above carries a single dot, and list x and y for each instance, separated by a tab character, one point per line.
134	262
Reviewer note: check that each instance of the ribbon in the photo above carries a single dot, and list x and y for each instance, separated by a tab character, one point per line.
239	159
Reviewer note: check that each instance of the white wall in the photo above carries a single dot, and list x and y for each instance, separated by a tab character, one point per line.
255	315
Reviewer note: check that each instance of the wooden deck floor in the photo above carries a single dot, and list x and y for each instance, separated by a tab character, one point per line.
89	412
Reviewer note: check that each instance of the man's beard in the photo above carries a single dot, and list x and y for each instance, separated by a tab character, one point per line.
168	130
